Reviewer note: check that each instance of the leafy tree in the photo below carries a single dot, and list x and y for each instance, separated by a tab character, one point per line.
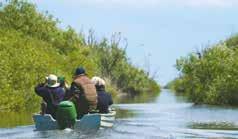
32	46
210	79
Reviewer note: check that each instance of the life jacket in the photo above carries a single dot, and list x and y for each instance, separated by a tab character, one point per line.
88	89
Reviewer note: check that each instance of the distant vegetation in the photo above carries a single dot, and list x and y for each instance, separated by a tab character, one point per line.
210	76
32	46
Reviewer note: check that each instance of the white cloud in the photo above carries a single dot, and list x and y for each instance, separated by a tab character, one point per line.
156	3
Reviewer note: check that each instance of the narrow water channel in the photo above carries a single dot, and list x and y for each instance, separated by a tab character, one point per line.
167	117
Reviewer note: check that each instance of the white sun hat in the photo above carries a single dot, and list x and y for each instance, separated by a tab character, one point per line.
98	81
52	81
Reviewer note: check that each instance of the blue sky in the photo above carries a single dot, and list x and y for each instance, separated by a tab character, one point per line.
158	31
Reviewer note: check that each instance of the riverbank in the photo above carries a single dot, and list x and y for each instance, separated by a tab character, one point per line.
33	46
210	76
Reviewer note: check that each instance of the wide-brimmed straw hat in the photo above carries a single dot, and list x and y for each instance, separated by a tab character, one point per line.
52	81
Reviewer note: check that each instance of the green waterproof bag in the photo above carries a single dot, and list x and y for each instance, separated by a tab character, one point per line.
66	115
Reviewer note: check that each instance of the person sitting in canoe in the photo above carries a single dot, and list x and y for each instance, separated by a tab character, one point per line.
83	93
52	95
104	99
63	83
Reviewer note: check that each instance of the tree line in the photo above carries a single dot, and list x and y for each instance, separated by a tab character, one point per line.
32	46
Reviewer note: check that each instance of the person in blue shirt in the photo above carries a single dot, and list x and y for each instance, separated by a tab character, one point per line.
104	98
52	94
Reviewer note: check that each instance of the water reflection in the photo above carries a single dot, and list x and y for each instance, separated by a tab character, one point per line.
12	119
142	98
124	113
167	116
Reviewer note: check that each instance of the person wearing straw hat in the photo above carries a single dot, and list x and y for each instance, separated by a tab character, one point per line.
104	98
51	93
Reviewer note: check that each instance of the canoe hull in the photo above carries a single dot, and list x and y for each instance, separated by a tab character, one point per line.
87	123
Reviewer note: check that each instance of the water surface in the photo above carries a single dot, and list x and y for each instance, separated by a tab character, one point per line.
167	117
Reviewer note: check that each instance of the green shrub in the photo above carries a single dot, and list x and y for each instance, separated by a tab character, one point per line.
32	46
211	79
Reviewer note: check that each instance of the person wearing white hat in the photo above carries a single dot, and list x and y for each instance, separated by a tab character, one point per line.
51	93
104	98
52	81
98	81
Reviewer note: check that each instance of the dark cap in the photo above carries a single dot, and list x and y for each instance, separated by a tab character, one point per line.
79	71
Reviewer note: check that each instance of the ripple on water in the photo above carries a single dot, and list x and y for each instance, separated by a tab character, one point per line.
167	118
